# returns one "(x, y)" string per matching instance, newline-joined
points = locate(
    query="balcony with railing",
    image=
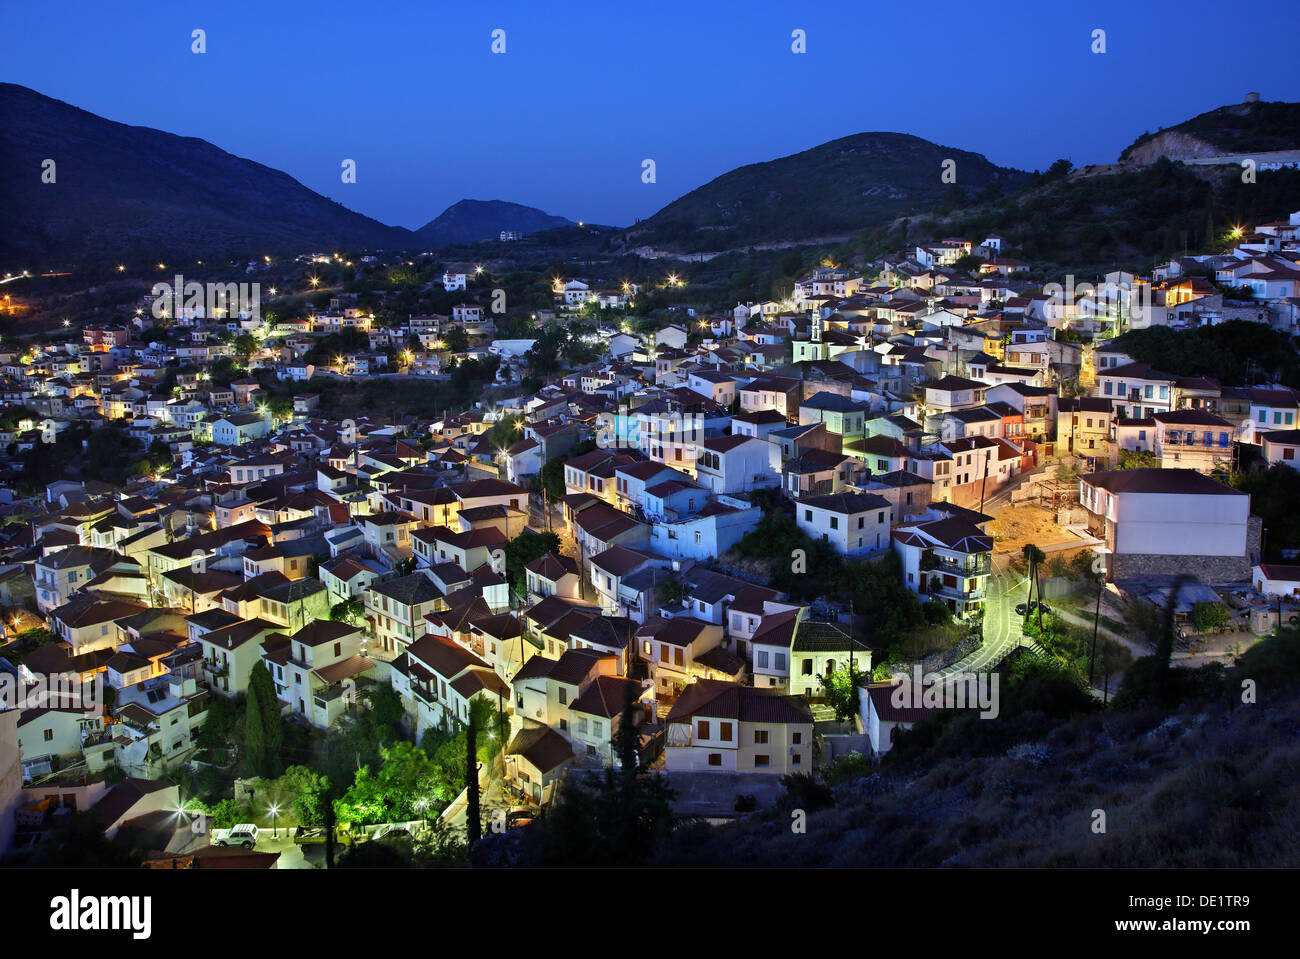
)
(1192, 440)
(971, 564)
(215, 669)
(937, 588)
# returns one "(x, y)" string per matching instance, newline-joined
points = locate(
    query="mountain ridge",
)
(122, 190)
(840, 186)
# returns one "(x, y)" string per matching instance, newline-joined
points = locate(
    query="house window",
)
(761, 655)
(760, 737)
(703, 729)
(48, 735)
(724, 732)
(762, 762)
(715, 759)
(780, 662)
(796, 738)
(564, 696)
(807, 669)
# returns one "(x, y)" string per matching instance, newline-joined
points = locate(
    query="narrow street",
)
(1002, 633)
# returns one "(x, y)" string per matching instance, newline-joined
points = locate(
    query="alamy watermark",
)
(957, 691)
(58, 691)
(210, 301)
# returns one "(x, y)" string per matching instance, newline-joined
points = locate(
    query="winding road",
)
(1002, 633)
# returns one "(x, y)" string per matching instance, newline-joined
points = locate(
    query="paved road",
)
(1002, 632)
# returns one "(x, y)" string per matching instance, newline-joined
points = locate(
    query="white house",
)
(1170, 521)
(853, 523)
(737, 464)
(1275, 579)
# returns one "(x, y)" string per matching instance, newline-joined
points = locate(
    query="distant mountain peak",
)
(469, 221)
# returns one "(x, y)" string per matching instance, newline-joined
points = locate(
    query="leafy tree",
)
(551, 477)
(841, 690)
(350, 611)
(245, 346)
(456, 340)
(1137, 460)
(1274, 493)
(406, 782)
(1209, 616)
(301, 789)
(386, 712)
(522, 550)
(506, 431)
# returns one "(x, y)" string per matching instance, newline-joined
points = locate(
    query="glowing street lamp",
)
(315, 281)
(275, 824)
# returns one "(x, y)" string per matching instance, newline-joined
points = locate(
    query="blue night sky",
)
(585, 91)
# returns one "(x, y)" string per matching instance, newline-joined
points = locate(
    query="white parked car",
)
(244, 835)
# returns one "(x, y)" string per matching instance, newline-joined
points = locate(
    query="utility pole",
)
(984, 481)
(1096, 622)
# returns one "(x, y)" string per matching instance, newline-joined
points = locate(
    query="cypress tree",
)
(264, 722)
(473, 824)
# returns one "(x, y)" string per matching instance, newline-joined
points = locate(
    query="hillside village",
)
(656, 547)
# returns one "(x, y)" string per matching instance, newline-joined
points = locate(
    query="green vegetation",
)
(841, 690)
(1124, 219)
(1209, 785)
(1239, 128)
(834, 188)
(522, 550)
(1236, 353)
(551, 476)
(407, 785)
(263, 724)
(807, 568)
(1072, 645)
(350, 611)
(1137, 460)
(1274, 493)
(1210, 616)
(610, 820)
